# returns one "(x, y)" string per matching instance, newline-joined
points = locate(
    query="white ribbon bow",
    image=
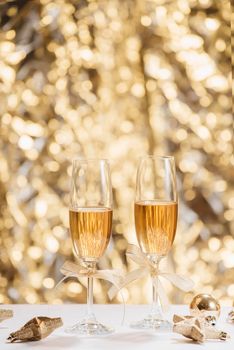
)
(146, 267)
(70, 269)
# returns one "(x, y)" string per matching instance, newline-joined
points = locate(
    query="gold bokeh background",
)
(116, 79)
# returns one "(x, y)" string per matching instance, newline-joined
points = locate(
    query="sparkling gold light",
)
(109, 79)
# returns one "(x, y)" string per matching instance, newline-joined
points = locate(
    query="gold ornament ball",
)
(205, 305)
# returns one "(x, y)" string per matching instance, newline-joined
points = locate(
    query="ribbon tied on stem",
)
(147, 266)
(70, 269)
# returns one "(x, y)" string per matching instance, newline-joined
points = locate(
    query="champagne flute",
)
(90, 217)
(155, 212)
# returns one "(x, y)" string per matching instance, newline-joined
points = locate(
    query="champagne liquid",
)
(90, 231)
(155, 224)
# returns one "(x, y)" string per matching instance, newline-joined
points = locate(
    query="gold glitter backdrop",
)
(115, 79)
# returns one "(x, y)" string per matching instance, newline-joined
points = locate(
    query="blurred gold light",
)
(41, 207)
(146, 21)
(74, 288)
(214, 244)
(25, 142)
(212, 24)
(48, 283)
(35, 252)
(51, 243)
(110, 80)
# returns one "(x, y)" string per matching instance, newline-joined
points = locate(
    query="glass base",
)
(89, 327)
(153, 322)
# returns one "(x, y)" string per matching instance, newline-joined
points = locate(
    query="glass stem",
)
(90, 313)
(156, 308)
(90, 297)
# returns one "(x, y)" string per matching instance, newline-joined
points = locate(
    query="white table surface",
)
(123, 338)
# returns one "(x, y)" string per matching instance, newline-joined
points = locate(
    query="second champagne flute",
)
(90, 217)
(155, 222)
